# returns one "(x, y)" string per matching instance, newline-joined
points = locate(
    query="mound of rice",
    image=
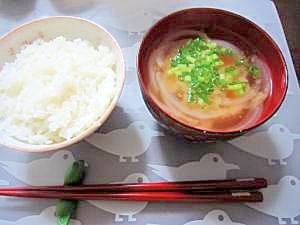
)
(54, 90)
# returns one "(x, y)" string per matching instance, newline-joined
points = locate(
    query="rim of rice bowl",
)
(13, 143)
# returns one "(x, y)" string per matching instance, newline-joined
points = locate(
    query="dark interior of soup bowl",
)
(227, 26)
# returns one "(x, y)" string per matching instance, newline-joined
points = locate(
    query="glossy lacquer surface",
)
(131, 147)
(223, 25)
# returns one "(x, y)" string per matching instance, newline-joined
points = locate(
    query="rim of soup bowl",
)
(93, 127)
(226, 13)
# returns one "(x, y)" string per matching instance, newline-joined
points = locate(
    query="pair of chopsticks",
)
(237, 190)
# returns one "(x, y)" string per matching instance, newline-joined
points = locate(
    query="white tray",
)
(155, 157)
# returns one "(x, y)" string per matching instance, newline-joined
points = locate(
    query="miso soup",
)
(208, 84)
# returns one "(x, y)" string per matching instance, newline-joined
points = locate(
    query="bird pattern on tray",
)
(136, 139)
(277, 142)
(280, 200)
(214, 217)
(35, 172)
(210, 166)
(119, 208)
(47, 217)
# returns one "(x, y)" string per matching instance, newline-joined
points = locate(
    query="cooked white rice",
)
(54, 90)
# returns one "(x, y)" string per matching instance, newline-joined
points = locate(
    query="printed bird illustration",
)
(281, 200)
(120, 208)
(126, 143)
(215, 217)
(45, 171)
(47, 217)
(210, 166)
(277, 143)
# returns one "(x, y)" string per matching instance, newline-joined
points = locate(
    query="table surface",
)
(269, 151)
(289, 12)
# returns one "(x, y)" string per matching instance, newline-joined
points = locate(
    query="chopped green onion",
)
(199, 63)
(226, 51)
(238, 87)
(188, 78)
(239, 92)
(254, 71)
(231, 70)
(240, 62)
(234, 87)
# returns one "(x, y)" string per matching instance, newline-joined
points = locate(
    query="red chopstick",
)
(239, 190)
(174, 196)
(210, 185)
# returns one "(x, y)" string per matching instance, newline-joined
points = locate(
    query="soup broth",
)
(216, 88)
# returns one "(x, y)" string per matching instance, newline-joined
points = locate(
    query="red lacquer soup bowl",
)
(223, 25)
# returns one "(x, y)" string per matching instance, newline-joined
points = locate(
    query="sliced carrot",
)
(230, 94)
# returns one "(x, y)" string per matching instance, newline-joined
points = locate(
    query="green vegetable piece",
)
(198, 65)
(191, 59)
(64, 220)
(74, 176)
(231, 70)
(219, 63)
(240, 62)
(223, 84)
(190, 96)
(254, 71)
(228, 52)
(64, 207)
(188, 78)
(75, 173)
(238, 87)
(211, 45)
(239, 92)
(64, 210)
(235, 87)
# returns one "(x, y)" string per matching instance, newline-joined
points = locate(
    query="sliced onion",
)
(265, 73)
(228, 45)
(240, 100)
